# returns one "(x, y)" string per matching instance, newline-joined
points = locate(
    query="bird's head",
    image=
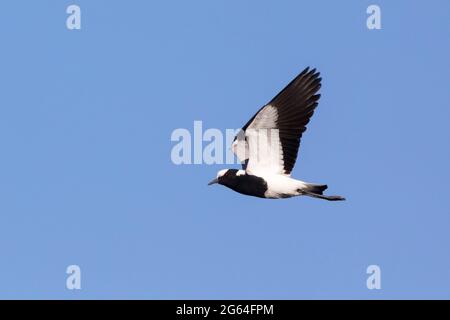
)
(223, 176)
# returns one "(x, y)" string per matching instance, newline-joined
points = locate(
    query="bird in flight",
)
(268, 144)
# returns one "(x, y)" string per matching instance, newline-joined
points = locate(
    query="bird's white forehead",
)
(221, 173)
(224, 171)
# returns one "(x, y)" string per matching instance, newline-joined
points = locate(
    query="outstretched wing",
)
(270, 140)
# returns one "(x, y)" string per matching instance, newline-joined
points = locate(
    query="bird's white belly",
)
(281, 186)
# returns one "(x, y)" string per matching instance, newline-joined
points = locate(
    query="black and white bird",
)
(268, 145)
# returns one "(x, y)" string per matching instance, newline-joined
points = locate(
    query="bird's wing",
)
(240, 148)
(270, 140)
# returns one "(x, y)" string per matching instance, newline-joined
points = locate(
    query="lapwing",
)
(268, 144)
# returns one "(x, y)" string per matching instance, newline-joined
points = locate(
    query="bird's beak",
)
(213, 181)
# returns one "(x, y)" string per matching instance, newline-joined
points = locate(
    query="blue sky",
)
(86, 176)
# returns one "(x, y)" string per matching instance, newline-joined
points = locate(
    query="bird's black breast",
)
(246, 184)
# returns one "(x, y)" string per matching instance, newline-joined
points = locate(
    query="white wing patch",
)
(266, 118)
(265, 152)
(240, 147)
(260, 144)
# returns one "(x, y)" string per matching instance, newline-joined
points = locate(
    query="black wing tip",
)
(310, 72)
(306, 80)
(307, 76)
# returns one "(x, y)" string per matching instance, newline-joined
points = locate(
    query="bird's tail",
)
(316, 191)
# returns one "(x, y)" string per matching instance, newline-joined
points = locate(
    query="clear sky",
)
(86, 176)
